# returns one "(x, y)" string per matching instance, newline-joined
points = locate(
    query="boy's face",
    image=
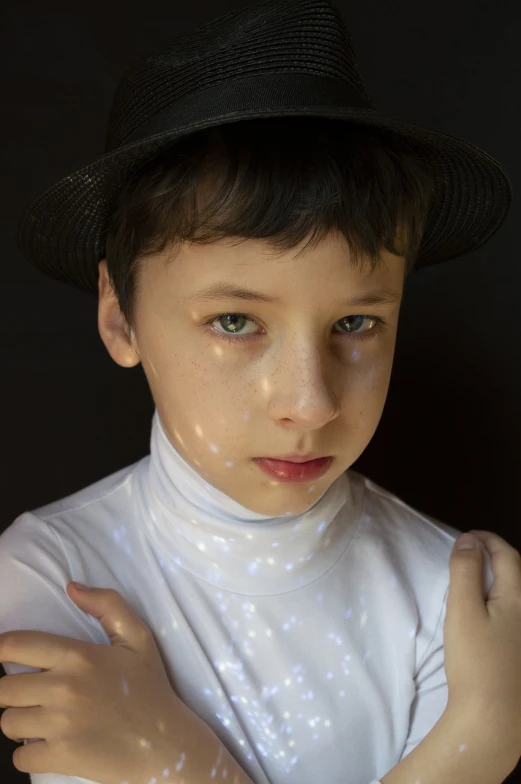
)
(300, 382)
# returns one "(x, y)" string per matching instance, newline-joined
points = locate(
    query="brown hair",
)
(275, 179)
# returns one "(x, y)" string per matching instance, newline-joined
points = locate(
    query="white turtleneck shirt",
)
(311, 644)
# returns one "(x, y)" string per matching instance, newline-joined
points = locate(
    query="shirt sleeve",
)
(34, 573)
(432, 693)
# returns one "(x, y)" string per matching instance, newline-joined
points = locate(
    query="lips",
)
(297, 458)
(288, 471)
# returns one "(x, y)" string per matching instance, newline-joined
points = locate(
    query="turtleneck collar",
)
(216, 539)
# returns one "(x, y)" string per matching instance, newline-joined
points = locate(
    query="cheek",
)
(365, 391)
(374, 379)
(370, 369)
(209, 389)
(204, 396)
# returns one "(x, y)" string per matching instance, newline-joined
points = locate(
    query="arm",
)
(205, 758)
(455, 751)
(34, 571)
(203, 754)
(33, 574)
(436, 760)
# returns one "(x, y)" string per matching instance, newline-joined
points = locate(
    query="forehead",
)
(254, 264)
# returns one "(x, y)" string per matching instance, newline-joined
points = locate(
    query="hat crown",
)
(278, 36)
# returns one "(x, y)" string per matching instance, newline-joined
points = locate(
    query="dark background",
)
(449, 439)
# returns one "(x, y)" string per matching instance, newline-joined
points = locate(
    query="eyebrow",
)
(225, 290)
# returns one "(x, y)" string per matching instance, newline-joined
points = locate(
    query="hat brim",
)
(62, 232)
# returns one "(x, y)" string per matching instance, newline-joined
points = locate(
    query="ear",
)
(113, 328)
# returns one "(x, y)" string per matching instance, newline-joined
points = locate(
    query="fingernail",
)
(466, 542)
(81, 587)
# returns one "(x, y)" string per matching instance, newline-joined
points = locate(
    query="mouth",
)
(292, 471)
(297, 458)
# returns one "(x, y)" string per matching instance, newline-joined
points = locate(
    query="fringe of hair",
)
(274, 179)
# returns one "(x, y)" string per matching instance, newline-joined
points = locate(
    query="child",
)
(249, 233)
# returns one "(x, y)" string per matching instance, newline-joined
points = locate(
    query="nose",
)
(304, 390)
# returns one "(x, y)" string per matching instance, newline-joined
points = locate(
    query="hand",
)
(104, 712)
(482, 641)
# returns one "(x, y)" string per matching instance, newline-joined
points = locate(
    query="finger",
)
(35, 649)
(465, 604)
(24, 690)
(32, 757)
(20, 723)
(122, 624)
(486, 536)
(495, 543)
(505, 561)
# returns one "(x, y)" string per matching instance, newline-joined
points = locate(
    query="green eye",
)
(232, 338)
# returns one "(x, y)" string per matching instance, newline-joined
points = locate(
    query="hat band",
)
(269, 93)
